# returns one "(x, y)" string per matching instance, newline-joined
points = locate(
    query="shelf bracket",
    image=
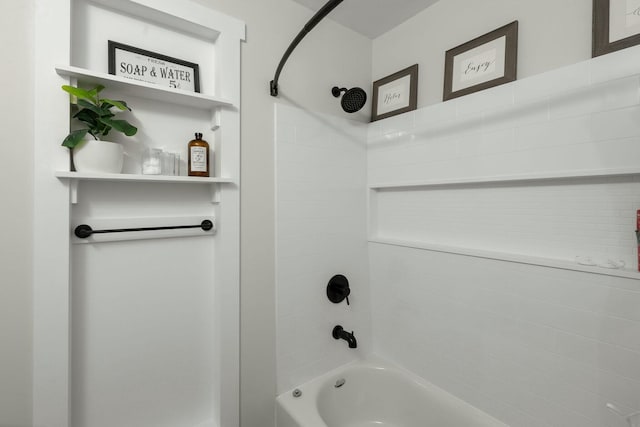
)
(215, 118)
(215, 193)
(73, 191)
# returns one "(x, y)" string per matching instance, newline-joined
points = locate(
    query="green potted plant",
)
(91, 152)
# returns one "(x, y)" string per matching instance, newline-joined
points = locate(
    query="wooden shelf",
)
(510, 257)
(145, 90)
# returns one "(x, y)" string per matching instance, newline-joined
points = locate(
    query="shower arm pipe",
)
(324, 11)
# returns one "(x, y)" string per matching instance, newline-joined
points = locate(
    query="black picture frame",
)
(405, 96)
(152, 67)
(603, 21)
(505, 62)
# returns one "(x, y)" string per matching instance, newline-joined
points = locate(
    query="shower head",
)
(352, 100)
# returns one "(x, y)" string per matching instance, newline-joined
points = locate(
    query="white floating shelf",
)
(140, 178)
(510, 257)
(76, 177)
(145, 90)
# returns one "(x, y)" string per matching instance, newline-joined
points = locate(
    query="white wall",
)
(323, 59)
(529, 345)
(16, 145)
(575, 121)
(306, 80)
(562, 39)
(487, 288)
(551, 34)
(321, 206)
(480, 206)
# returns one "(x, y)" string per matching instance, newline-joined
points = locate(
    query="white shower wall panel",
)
(569, 219)
(321, 231)
(577, 119)
(545, 166)
(479, 207)
(530, 345)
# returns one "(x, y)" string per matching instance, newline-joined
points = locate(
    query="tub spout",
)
(340, 333)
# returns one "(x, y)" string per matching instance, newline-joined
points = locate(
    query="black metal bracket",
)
(83, 231)
(324, 11)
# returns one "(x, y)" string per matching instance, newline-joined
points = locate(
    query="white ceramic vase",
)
(93, 156)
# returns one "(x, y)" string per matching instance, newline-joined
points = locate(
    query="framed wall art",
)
(486, 61)
(395, 94)
(616, 25)
(142, 65)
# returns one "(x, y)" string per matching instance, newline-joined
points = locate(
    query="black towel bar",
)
(83, 231)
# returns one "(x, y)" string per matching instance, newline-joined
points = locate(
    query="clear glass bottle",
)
(198, 163)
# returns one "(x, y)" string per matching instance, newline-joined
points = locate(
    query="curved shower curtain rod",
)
(324, 11)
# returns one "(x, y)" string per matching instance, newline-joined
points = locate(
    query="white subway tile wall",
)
(518, 128)
(531, 345)
(564, 219)
(321, 231)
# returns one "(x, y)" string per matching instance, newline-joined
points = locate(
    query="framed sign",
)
(487, 61)
(616, 25)
(150, 67)
(395, 94)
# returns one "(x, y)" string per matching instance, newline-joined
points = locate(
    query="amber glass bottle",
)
(198, 156)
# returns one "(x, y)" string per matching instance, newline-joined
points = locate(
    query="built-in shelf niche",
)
(70, 49)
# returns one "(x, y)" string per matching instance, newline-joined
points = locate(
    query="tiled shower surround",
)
(321, 231)
(479, 210)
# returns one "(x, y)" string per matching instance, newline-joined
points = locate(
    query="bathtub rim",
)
(306, 404)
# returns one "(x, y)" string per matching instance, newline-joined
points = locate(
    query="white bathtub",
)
(376, 394)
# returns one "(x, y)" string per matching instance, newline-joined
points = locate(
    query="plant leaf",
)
(80, 93)
(102, 128)
(96, 90)
(74, 138)
(90, 106)
(96, 114)
(120, 125)
(95, 135)
(105, 131)
(121, 105)
(87, 116)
